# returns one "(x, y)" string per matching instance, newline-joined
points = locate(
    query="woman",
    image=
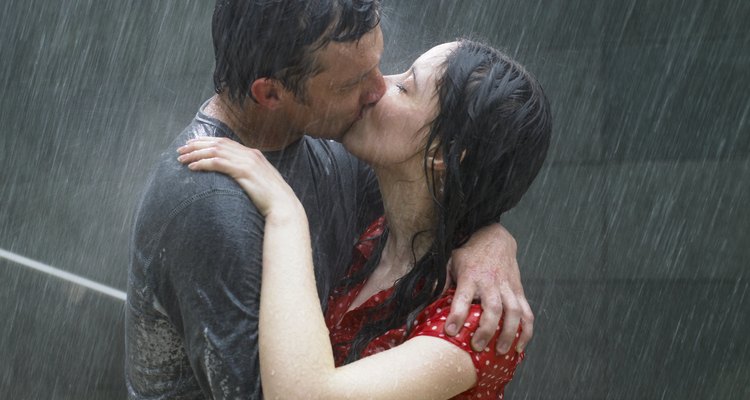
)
(455, 142)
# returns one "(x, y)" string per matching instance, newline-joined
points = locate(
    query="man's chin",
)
(327, 135)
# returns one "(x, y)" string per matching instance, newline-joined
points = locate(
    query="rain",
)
(634, 242)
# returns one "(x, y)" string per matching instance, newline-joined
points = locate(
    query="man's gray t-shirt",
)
(194, 278)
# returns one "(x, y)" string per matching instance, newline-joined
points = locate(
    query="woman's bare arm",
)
(296, 356)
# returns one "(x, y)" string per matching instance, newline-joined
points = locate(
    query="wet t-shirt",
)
(493, 371)
(195, 269)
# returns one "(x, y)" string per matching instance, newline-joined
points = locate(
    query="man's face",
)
(350, 82)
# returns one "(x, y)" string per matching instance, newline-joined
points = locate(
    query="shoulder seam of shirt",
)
(182, 206)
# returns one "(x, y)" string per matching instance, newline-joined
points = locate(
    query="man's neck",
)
(255, 127)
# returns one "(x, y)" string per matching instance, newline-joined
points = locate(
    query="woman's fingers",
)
(223, 144)
(198, 149)
(198, 154)
(197, 144)
(249, 167)
(235, 153)
(212, 165)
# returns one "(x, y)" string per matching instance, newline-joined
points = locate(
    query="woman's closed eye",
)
(401, 88)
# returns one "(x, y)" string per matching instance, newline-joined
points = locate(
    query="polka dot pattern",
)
(493, 371)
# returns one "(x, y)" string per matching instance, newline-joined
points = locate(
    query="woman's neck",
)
(409, 210)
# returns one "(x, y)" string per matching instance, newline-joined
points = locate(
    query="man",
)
(286, 70)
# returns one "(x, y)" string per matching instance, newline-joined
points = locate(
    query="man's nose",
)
(376, 89)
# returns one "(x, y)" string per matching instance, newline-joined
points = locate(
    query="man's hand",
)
(486, 268)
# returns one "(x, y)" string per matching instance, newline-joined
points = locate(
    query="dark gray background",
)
(634, 242)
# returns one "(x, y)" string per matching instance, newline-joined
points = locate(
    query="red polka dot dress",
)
(493, 371)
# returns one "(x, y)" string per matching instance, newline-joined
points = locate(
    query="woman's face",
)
(393, 131)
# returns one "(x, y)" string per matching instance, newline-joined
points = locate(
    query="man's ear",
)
(267, 92)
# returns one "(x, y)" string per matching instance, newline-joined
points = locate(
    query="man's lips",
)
(362, 112)
(357, 118)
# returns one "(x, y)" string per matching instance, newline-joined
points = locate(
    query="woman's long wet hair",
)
(493, 131)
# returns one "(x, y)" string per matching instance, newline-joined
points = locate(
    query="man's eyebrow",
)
(359, 78)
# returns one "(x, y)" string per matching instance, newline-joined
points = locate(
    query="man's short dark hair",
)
(277, 38)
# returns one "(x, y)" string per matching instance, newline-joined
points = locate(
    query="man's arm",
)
(210, 289)
(486, 268)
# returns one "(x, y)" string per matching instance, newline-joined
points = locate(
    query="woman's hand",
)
(264, 185)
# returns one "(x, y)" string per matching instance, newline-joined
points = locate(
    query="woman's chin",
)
(350, 140)
(355, 144)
